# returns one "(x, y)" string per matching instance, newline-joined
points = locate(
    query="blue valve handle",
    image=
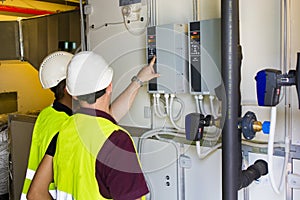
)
(266, 127)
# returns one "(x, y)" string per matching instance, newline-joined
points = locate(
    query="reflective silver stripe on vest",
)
(30, 174)
(53, 193)
(60, 195)
(23, 197)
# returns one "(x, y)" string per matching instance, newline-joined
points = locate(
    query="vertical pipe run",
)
(82, 28)
(231, 63)
(21, 39)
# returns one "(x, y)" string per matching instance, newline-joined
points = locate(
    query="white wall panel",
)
(295, 47)
(124, 51)
(260, 40)
(296, 171)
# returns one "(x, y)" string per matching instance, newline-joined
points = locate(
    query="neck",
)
(67, 101)
(101, 103)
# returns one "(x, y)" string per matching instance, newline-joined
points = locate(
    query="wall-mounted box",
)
(169, 44)
(204, 56)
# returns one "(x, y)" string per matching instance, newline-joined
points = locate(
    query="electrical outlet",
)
(185, 161)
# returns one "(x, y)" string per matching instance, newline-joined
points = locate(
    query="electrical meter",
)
(169, 44)
(204, 56)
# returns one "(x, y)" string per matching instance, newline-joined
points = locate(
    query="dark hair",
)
(59, 90)
(92, 97)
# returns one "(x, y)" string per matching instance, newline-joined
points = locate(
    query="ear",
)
(65, 91)
(109, 88)
(75, 98)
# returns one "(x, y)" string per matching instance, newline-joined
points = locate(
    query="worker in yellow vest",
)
(117, 110)
(52, 74)
(95, 158)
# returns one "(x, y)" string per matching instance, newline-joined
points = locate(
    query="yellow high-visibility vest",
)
(78, 144)
(47, 125)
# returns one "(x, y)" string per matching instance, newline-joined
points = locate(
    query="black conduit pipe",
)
(233, 177)
(231, 75)
(253, 172)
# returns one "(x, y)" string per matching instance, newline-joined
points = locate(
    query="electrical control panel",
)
(169, 44)
(204, 39)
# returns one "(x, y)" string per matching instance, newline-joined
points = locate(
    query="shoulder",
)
(46, 110)
(122, 140)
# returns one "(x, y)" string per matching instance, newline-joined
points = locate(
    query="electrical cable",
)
(105, 25)
(159, 112)
(155, 107)
(212, 138)
(197, 103)
(171, 114)
(153, 132)
(212, 107)
(208, 152)
(180, 112)
(201, 99)
(167, 103)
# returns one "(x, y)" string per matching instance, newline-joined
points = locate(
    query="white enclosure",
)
(118, 33)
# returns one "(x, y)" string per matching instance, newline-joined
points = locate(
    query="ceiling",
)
(13, 9)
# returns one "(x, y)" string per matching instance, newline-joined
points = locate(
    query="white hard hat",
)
(87, 73)
(54, 68)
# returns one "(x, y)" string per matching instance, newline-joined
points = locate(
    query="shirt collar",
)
(62, 108)
(97, 113)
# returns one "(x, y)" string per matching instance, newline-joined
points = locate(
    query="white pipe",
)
(195, 7)
(171, 114)
(21, 38)
(212, 107)
(201, 101)
(153, 13)
(261, 145)
(270, 150)
(197, 103)
(154, 132)
(288, 112)
(180, 112)
(161, 113)
(286, 161)
(205, 154)
(156, 105)
(180, 180)
(82, 29)
(212, 138)
(167, 103)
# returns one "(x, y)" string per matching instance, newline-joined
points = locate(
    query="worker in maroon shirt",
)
(95, 158)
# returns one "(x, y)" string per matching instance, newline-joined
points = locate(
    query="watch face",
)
(135, 78)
